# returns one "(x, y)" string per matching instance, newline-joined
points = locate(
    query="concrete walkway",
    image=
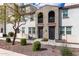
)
(4, 52)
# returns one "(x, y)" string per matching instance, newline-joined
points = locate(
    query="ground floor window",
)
(18, 31)
(23, 29)
(1, 30)
(68, 30)
(31, 30)
(65, 30)
(62, 30)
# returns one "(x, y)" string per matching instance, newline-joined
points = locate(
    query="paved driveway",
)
(4, 52)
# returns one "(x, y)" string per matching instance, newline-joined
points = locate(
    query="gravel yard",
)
(46, 50)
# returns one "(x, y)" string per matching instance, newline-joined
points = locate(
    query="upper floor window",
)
(32, 18)
(22, 10)
(40, 17)
(65, 13)
(51, 16)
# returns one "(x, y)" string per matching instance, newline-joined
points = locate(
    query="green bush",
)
(36, 46)
(66, 51)
(23, 41)
(11, 34)
(8, 40)
(4, 35)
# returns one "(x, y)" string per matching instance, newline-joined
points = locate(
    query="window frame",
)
(23, 29)
(51, 18)
(65, 13)
(68, 30)
(62, 32)
(31, 31)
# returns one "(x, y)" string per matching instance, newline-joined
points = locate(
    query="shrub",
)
(36, 46)
(23, 41)
(4, 35)
(45, 39)
(11, 34)
(66, 51)
(8, 40)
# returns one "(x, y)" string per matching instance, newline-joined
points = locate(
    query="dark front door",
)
(51, 32)
(40, 32)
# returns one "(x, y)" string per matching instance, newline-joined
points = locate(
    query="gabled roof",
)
(72, 6)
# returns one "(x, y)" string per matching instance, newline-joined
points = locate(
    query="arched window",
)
(40, 17)
(51, 16)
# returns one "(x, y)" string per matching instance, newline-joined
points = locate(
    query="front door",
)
(52, 32)
(40, 32)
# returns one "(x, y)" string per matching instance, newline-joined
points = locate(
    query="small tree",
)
(14, 19)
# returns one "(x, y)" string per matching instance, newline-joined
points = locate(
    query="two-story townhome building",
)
(69, 22)
(50, 22)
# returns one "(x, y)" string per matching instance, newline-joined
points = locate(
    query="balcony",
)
(52, 24)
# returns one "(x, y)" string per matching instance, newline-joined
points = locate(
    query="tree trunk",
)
(14, 37)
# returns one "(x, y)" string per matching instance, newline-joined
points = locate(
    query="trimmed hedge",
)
(23, 41)
(8, 40)
(36, 46)
(66, 51)
(11, 34)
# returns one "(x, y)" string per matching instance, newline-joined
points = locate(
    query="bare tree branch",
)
(22, 24)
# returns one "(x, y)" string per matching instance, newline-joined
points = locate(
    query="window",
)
(1, 30)
(62, 30)
(65, 13)
(18, 31)
(65, 30)
(23, 29)
(31, 30)
(31, 19)
(68, 30)
(51, 16)
(23, 9)
(40, 17)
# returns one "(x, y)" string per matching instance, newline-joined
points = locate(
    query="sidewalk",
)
(4, 52)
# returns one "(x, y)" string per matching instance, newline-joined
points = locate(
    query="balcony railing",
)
(51, 19)
(40, 20)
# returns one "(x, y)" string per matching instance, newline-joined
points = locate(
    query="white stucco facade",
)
(28, 23)
(72, 20)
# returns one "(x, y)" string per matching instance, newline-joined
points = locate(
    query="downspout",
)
(4, 22)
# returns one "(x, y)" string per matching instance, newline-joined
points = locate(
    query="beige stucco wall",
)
(45, 10)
